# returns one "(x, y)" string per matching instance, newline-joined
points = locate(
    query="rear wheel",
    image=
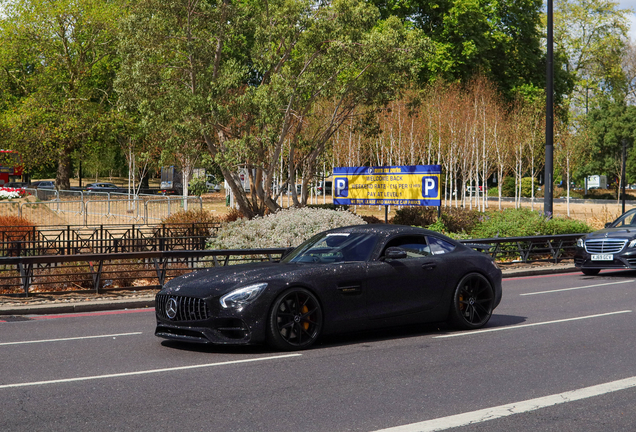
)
(473, 302)
(590, 272)
(295, 320)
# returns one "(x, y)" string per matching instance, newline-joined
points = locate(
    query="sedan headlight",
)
(632, 244)
(242, 296)
(580, 243)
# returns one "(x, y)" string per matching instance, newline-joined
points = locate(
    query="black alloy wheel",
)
(591, 272)
(472, 302)
(295, 320)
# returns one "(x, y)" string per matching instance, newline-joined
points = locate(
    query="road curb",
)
(78, 307)
(538, 271)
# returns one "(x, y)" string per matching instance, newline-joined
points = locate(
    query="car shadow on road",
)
(217, 349)
(352, 338)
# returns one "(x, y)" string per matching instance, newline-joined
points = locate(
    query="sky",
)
(627, 4)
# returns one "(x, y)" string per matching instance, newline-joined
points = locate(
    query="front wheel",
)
(473, 302)
(295, 320)
(591, 272)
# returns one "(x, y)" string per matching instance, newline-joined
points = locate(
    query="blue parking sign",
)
(430, 186)
(341, 187)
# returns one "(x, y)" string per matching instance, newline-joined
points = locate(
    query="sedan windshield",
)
(628, 219)
(333, 247)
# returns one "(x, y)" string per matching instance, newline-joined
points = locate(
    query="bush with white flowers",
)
(11, 193)
(285, 228)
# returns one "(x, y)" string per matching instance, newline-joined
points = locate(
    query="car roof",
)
(387, 230)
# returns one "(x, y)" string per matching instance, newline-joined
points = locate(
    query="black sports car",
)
(613, 247)
(346, 279)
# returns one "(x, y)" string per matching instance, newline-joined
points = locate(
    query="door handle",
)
(429, 265)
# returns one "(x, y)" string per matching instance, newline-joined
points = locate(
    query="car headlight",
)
(580, 243)
(242, 296)
(632, 244)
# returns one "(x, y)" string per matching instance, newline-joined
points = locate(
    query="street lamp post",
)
(549, 118)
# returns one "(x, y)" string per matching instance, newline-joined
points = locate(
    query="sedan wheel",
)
(590, 272)
(472, 302)
(295, 320)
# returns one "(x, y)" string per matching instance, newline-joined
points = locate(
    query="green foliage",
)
(438, 226)
(454, 220)
(237, 76)
(610, 124)
(197, 186)
(56, 92)
(508, 188)
(524, 222)
(500, 40)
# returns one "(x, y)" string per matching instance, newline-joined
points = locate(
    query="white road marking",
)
(492, 413)
(69, 339)
(490, 330)
(576, 288)
(144, 372)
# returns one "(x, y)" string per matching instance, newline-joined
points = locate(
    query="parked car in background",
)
(103, 187)
(324, 188)
(613, 247)
(16, 185)
(43, 184)
(212, 187)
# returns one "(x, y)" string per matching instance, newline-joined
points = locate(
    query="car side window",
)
(415, 246)
(439, 246)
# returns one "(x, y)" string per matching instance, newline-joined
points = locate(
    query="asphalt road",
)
(558, 355)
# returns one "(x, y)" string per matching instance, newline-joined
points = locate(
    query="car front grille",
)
(605, 246)
(180, 308)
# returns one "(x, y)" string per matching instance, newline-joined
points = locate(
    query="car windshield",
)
(333, 247)
(628, 219)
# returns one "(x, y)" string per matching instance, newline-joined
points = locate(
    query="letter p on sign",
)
(430, 187)
(342, 187)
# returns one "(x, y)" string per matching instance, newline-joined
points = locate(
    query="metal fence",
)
(121, 269)
(24, 276)
(526, 249)
(94, 208)
(71, 240)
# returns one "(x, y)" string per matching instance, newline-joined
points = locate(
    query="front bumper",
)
(201, 321)
(622, 260)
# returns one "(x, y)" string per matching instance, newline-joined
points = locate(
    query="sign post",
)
(414, 185)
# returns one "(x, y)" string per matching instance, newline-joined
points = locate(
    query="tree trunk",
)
(63, 177)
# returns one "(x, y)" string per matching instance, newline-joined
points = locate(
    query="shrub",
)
(191, 216)
(14, 232)
(453, 219)
(460, 220)
(284, 228)
(232, 215)
(372, 219)
(524, 222)
(328, 206)
(11, 193)
(191, 223)
(415, 216)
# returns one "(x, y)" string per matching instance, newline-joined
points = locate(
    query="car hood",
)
(220, 280)
(619, 232)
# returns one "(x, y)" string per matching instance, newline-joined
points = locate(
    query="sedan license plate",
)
(603, 257)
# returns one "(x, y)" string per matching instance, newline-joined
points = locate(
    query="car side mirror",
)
(608, 224)
(394, 253)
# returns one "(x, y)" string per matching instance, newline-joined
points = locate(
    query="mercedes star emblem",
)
(171, 308)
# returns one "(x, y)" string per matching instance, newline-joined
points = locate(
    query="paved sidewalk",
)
(48, 305)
